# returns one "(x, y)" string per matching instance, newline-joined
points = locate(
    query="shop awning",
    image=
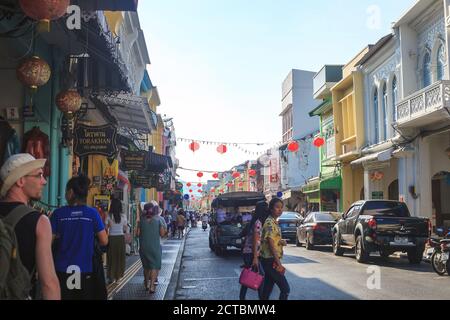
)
(311, 186)
(129, 111)
(107, 5)
(375, 157)
(331, 183)
(156, 163)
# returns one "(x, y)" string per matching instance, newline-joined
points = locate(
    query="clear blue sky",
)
(219, 64)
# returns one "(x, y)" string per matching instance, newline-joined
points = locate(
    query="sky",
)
(219, 64)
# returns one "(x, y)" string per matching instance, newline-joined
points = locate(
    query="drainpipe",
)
(54, 186)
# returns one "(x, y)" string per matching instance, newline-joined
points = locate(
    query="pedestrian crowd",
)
(61, 256)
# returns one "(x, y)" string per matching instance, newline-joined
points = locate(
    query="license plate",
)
(292, 224)
(401, 240)
(444, 256)
(238, 241)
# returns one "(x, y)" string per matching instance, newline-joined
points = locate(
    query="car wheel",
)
(415, 256)
(337, 250)
(361, 254)
(309, 245)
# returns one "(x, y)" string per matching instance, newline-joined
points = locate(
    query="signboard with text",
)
(133, 160)
(95, 140)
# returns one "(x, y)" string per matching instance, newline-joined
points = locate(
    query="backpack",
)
(15, 280)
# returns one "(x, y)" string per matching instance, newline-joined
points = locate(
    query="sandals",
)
(152, 289)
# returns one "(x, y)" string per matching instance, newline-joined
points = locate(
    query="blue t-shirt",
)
(75, 228)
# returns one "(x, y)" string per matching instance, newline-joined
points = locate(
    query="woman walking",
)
(150, 230)
(116, 224)
(272, 253)
(252, 244)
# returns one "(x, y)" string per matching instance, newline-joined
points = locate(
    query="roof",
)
(321, 108)
(375, 48)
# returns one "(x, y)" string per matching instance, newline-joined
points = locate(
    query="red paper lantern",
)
(215, 175)
(194, 146)
(200, 190)
(221, 190)
(318, 142)
(236, 175)
(199, 185)
(293, 146)
(222, 149)
(69, 102)
(200, 174)
(189, 184)
(213, 190)
(229, 185)
(33, 72)
(190, 191)
(44, 10)
(252, 173)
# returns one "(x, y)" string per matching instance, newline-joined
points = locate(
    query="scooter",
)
(204, 225)
(440, 258)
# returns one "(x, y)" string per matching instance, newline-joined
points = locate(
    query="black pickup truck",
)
(383, 226)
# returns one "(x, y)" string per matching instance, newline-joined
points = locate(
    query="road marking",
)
(129, 274)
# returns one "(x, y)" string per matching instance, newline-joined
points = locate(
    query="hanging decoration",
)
(215, 175)
(190, 191)
(222, 149)
(69, 102)
(213, 190)
(200, 190)
(252, 173)
(200, 174)
(199, 185)
(319, 142)
(189, 184)
(236, 175)
(293, 146)
(44, 11)
(194, 146)
(33, 72)
(229, 184)
(376, 176)
(241, 184)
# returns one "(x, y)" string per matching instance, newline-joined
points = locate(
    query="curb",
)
(175, 278)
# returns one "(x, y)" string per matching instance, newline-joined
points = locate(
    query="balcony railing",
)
(423, 103)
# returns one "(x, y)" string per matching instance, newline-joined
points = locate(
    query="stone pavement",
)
(131, 287)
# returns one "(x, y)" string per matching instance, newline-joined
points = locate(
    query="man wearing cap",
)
(22, 180)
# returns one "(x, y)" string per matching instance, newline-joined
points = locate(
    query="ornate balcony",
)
(425, 107)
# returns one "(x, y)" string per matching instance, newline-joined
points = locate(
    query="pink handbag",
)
(250, 279)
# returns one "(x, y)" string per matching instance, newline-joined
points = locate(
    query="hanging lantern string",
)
(225, 143)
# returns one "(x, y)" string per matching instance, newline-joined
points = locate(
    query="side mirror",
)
(343, 216)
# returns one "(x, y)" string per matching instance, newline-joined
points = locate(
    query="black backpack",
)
(15, 280)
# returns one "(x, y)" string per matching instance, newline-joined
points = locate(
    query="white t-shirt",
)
(116, 229)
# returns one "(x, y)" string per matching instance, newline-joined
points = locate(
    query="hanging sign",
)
(133, 160)
(100, 140)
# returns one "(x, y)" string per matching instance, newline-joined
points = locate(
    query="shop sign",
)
(133, 160)
(143, 180)
(100, 140)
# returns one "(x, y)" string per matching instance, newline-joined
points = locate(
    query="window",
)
(384, 113)
(440, 62)
(394, 99)
(375, 112)
(426, 70)
(385, 208)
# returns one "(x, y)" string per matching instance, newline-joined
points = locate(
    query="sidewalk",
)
(132, 285)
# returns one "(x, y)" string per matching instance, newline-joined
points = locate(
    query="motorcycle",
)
(204, 225)
(440, 257)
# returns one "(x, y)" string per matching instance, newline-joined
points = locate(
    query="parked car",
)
(288, 222)
(381, 225)
(226, 219)
(316, 229)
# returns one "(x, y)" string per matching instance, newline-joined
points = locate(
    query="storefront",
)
(312, 193)
(330, 194)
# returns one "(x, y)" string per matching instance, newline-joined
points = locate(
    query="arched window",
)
(384, 112)
(394, 99)
(375, 112)
(440, 62)
(426, 70)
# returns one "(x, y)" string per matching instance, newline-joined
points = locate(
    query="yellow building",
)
(348, 112)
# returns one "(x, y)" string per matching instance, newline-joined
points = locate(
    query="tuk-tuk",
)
(230, 213)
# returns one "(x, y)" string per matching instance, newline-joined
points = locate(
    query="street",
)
(312, 275)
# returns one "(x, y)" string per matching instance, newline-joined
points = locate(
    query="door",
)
(351, 224)
(343, 226)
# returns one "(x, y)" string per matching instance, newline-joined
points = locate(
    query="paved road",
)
(313, 275)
